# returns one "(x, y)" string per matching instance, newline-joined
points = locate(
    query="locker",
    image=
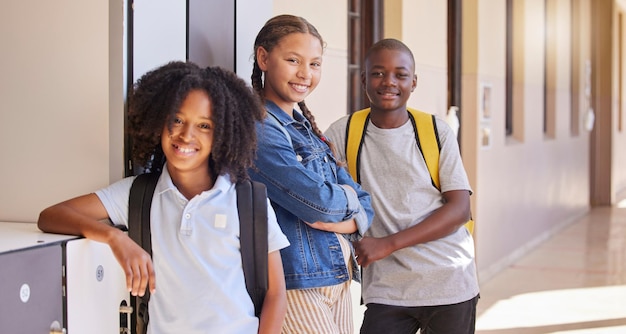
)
(97, 298)
(31, 279)
(51, 283)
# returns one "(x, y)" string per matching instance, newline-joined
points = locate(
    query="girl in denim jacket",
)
(318, 206)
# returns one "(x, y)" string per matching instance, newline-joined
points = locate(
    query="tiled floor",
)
(573, 283)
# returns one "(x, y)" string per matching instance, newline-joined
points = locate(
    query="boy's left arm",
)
(275, 303)
(452, 215)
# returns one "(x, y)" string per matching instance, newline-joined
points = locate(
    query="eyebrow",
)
(293, 53)
(178, 114)
(377, 67)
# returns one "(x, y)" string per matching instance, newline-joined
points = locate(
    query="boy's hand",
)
(369, 249)
(136, 263)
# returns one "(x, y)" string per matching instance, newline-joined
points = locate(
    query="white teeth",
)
(300, 87)
(186, 150)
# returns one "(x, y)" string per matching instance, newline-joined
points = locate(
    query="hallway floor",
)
(573, 283)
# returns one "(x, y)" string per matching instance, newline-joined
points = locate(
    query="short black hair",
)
(389, 44)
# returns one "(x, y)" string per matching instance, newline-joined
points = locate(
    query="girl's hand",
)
(136, 263)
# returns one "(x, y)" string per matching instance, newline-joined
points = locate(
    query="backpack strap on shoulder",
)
(427, 139)
(252, 208)
(139, 204)
(355, 130)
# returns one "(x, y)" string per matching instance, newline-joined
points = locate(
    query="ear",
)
(363, 81)
(414, 83)
(261, 58)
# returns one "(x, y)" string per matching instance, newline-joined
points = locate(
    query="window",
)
(550, 71)
(509, 68)
(515, 62)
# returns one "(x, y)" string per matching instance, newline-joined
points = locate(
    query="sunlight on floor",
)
(604, 307)
(622, 204)
(607, 330)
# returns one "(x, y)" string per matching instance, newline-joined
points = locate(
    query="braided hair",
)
(268, 37)
(158, 95)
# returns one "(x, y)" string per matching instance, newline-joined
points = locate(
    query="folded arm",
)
(304, 192)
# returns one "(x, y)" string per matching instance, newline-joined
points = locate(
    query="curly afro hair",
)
(157, 97)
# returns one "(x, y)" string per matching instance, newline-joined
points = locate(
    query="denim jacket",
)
(305, 184)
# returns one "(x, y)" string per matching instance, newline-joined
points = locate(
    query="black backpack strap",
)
(260, 239)
(139, 203)
(252, 208)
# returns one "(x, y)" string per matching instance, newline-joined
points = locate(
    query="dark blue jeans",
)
(441, 319)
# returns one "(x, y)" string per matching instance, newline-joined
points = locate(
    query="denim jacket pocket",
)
(317, 159)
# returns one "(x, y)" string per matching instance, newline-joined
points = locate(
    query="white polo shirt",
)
(200, 286)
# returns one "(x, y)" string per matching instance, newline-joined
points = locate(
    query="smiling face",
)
(388, 79)
(188, 138)
(292, 69)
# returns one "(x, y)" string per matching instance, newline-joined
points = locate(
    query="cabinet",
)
(51, 282)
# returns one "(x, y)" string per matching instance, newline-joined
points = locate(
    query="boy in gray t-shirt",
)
(418, 258)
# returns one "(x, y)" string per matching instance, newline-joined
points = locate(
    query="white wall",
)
(525, 190)
(159, 34)
(619, 130)
(424, 31)
(251, 16)
(54, 103)
(63, 86)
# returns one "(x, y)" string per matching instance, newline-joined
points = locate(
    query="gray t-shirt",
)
(393, 171)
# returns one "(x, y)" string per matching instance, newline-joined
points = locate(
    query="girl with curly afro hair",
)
(196, 127)
(157, 97)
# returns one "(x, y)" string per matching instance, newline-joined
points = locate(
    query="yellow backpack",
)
(427, 139)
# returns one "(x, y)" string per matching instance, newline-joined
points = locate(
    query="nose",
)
(304, 72)
(389, 80)
(186, 133)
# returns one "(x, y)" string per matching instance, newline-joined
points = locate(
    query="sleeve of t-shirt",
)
(276, 240)
(336, 133)
(452, 175)
(115, 200)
